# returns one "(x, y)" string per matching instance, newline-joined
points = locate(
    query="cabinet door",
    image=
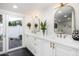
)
(39, 47)
(30, 44)
(45, 48)
(77, 52)
(61, 50)
(36, 47)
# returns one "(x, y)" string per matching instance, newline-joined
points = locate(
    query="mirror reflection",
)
(63, 20)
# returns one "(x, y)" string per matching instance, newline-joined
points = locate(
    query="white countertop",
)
(68, 41)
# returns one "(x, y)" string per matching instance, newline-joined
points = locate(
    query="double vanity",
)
(51, 46)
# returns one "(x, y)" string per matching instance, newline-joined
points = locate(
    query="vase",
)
(44, 32)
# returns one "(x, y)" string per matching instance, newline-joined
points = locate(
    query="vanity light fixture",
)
(15, 6)
(59, 5)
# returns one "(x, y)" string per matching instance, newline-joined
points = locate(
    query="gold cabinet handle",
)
(51, 44)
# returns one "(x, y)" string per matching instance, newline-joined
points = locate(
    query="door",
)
(2, 33)
(14, 32)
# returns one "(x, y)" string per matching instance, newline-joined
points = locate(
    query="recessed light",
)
(14, 6)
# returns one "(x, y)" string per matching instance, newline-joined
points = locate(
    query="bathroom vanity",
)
(61, 42)
(51, 45)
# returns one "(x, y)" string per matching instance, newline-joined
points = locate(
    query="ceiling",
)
(25, 8)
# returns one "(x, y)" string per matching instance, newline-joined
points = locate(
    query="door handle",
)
(51, 44)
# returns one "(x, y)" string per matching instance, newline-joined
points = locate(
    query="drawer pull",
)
(51, 44)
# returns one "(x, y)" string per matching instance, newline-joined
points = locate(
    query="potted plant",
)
(43, 27)
(29, 25)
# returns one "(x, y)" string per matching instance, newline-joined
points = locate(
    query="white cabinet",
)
(32, 44)
(46, 48)
(37, 43)
(41, 47)
(29, 43)
(61, 50)
(77, 52)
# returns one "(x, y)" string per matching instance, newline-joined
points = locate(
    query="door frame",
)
(4, 33)
(7, 40)
(5, 23)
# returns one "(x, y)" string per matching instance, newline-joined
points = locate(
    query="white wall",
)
(76, 8)
(49, 16)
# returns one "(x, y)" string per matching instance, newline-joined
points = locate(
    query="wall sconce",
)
(36, 25)
(29, 25)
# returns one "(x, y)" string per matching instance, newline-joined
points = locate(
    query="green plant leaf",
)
(43, 25)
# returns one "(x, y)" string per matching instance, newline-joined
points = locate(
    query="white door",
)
(2, 33)
(61, 50)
